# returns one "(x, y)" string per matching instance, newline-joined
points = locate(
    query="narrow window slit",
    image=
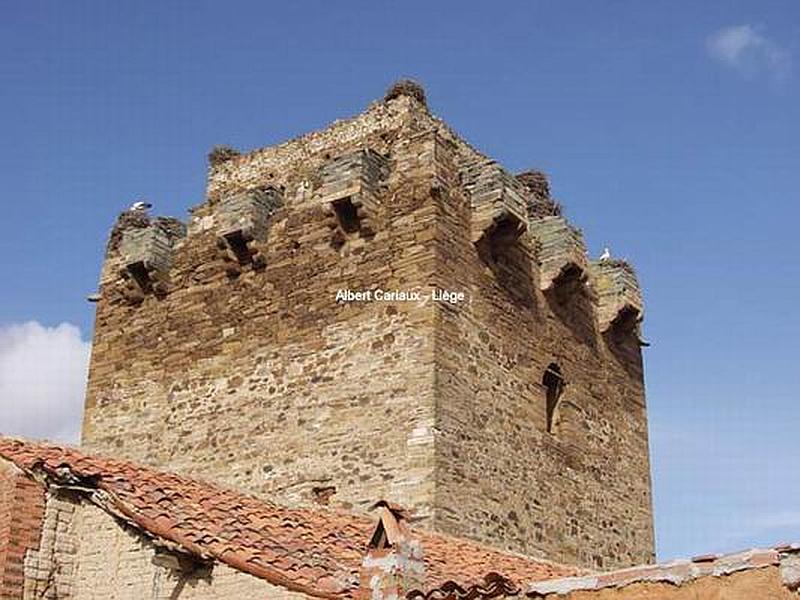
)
(553, 382)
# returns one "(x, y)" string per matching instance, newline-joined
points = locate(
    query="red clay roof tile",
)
(296, 548)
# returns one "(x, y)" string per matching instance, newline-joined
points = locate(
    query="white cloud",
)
(746, 50)
(42, 381)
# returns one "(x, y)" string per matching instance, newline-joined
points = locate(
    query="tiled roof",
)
(679, 572)
(314, 551)
(494, 586)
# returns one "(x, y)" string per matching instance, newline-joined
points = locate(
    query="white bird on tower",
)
(606, 255)
(140, 206)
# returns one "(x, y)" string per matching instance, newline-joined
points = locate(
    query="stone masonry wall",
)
(754, 584)
(6, 490)
(757, 574)
(86, 554)
(21, 515)
(263, 380)
(49, 568)
(115, 563)
(258, 378)
(580, 494)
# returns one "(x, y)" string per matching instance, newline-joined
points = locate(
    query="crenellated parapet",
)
(287, 164)
(145, 248)
(619, 296)
(561, 249)
(498, 200)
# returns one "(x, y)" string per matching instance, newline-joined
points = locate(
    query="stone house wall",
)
(262, 380)
(65, 548)
(116, 563)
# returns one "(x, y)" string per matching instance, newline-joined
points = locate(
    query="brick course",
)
(21, 515)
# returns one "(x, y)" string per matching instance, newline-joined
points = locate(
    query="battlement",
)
(351, 192)
(223, 347)
(290, 164)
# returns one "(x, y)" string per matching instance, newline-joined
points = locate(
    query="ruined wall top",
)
(296, 172)
(377, 128)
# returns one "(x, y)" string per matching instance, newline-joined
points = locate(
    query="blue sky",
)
(670, 130)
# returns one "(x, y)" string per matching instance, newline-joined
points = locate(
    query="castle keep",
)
(515, 417)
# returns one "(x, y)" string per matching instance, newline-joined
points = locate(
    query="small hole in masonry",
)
(347, 214)
(238, 246)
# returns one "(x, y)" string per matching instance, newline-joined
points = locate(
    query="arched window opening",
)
(553, 382)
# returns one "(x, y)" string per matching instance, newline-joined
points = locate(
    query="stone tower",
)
(378, 310)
